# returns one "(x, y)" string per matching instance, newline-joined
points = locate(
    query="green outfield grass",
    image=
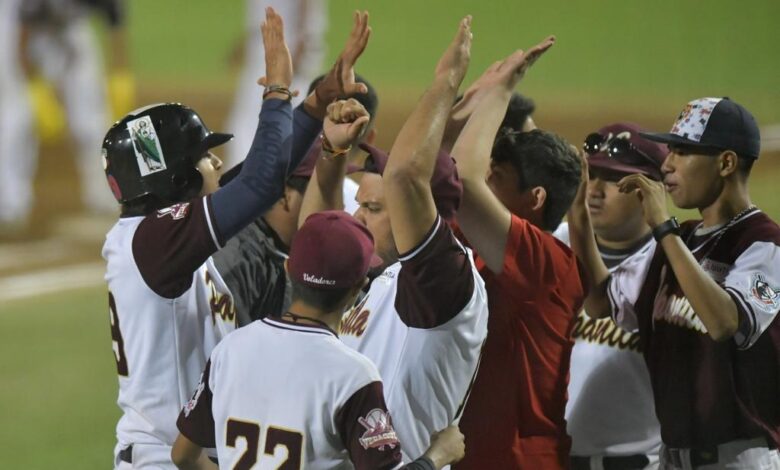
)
(58, 393)
(609, 52)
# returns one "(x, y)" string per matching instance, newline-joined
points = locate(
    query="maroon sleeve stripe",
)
(196, 421)
(427, 240)
(436, 280)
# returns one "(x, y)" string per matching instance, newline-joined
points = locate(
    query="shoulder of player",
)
(757, 227)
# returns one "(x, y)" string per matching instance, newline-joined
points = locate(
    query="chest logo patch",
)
(763, 295)
(379, 430)
(355, 321)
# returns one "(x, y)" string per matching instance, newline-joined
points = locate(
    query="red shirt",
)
(514, 418)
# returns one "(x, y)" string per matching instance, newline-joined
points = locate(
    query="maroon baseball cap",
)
(331, 250)
(446, 186)
(641, 156)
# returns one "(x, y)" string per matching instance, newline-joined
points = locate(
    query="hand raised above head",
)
(278, 64)
(344, 123)
(454, 63)
(339, 82)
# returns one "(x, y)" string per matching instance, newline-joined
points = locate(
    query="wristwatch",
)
(664, 229)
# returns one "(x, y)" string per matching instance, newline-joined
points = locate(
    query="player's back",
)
(423, 323)
(160, 344)
(287, 387)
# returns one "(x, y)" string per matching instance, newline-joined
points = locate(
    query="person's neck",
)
(731, 202)
(623, 243)
(304, 312)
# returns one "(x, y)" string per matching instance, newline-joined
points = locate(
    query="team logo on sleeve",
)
(176, 211)
(379, 430)
(763, 295)
(194, 400)
(146, 145)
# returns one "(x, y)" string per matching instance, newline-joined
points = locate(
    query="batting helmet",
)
(153, 151)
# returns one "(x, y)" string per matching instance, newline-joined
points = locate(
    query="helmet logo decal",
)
(146, 145)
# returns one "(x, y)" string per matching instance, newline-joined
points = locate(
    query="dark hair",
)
(543, 159)
(369, 100)
(519, 109)
(322, 299)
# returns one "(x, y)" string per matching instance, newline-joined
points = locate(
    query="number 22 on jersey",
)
(274, 437)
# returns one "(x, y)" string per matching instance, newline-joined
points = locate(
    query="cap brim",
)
(669, 138)
(215, 139)
(619, 167)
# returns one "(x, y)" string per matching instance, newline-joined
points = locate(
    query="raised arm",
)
(482, 217)
(583, 243)
(341, 130)
(339, 82)
(260, 183)
(407, 177)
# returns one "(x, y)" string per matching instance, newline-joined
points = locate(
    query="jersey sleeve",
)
(366, 430)
(436, 280)
(171, 243)
(625, 285)
(196, 421)
(754, 285)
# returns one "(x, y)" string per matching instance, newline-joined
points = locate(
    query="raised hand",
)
(454, 63)
(651, 194)
(278, 63)
(340, 80)
(344, 123)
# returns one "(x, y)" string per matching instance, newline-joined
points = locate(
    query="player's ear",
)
(728, 163)
(538, 198)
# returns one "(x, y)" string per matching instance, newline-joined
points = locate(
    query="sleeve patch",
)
(379, 430)
(763, 295)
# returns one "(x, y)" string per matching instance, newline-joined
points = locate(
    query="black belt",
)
(126, 454)
(609, 462)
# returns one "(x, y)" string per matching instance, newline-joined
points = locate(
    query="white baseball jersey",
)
(423, 323)
(168, 309)
(284, 394)
(610, 409)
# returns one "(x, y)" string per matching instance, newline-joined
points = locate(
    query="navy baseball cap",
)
(714, 123)
(643, 156)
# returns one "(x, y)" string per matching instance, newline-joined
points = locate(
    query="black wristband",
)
(664, 229)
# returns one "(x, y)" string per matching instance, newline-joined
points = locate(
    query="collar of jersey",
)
(293, 326)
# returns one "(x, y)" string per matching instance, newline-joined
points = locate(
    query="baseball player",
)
(305, 27)
(610, 414)
(317, 404)
(704, 295)
(516, 420)
(174, 216)
(52, 41)
(423, 319)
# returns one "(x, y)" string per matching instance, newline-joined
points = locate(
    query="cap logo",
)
(146, 145)
(693, 119)
(318, 280)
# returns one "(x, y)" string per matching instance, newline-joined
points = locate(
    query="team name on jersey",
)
(354, 322)
(675, 309)
(605, 331)
(221, 304)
